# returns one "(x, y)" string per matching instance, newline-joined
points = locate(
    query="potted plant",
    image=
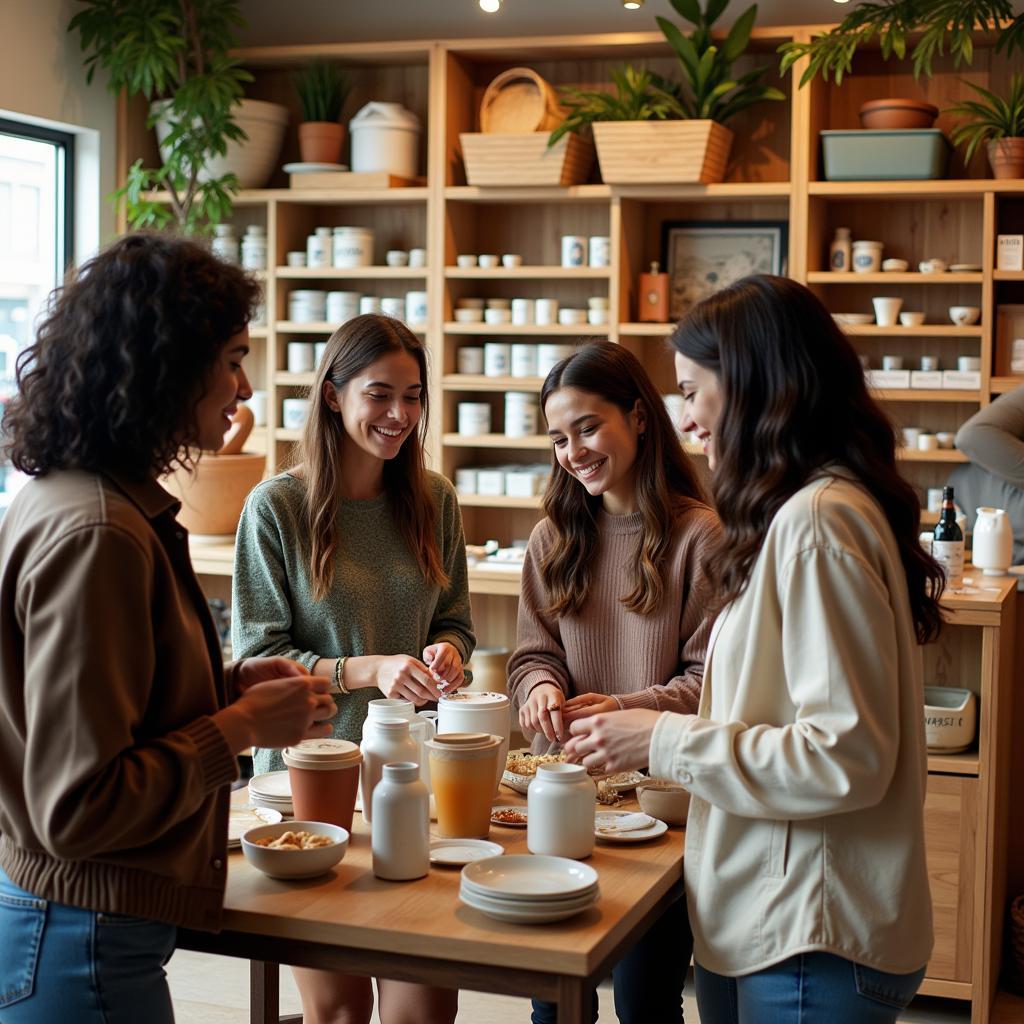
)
(656, 130)
(176, 53)
(323, 89)
(998, 123)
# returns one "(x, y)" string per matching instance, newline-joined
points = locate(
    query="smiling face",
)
(380, 407)
(225, 386)
(703, 394)
(596, 442)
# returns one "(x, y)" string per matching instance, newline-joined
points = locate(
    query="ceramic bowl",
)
(932, 266)
(664, 800)
(396, 258)
(911, 319)
(488, 260)
(466, 260)
(963, 316)
(853, 319)
(295, 863)
(950, 718)
(897, 113)
(511, 259)
(469, 316)
(894, 265)
(469, 303)
(497, 316)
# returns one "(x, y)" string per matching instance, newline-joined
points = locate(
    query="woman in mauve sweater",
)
(612, 612)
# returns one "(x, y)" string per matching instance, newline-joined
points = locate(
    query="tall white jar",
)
(386, 742)
(477, 711)
(560, 806)
(400, 834)
(421, 726)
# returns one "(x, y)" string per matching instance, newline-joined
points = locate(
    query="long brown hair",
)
(794, 401)
(353, 347)
(665, 483)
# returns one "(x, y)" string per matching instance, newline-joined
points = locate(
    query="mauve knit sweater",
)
(644, 661)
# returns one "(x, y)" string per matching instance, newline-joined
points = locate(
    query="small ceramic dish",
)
(278, 863)
(511, 259)
(896, 266)
(966, 268)
(950, 718)
(396, 258)
(666, 801)
(469, 316)
(497, 316)
(964, 316)
(488, 260)
(851, 319)
(460, 852)
(465, 260)
(911, 319)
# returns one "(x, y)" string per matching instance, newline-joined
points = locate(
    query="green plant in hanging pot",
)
(176, 53)
(323, 89)
(997, 122)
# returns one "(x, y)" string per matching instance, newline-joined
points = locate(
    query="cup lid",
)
(471, 699)
(322, 755)
(455, 741)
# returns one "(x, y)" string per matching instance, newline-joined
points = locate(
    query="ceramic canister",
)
(400, 833)
(421, 725)
(294, 412)
(497, 357)
(342, 306)
(477, 711)
(474, 418)
(369, 304)
(353, 247)
(470, 359)
(992, 549)
(574, 251)
(393, 306)
(524, 360)
(522, 414)
(307, 305)
(415, 307)
(549, 355)
(560, 812)
(387, 741)
(600, 250)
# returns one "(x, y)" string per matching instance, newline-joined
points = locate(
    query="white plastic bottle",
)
(840, 251)
(254, 248)
(400, 834)
(387, 742)
(560, 806)
(224, 244)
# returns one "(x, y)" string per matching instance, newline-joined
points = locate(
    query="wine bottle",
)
(948, 542)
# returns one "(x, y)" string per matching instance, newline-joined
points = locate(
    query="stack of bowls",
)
(529, 889)
(273, 790)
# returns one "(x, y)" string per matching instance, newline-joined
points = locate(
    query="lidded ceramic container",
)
(560, 811)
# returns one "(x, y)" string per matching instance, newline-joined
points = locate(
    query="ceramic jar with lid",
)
(477, 711)
(388, 740)
(421, 726)
(254, 248)
(560, 811)
(225, 244)
(400, 833)
(867, 256)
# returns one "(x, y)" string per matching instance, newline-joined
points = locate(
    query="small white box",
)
(523, 483)
(491, 481)
(961, 380)
(1010, 252)
(928, 379)
(888, 379)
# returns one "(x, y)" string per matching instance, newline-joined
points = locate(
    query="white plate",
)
(516, 915)
(462, 851)
(853, 318)
(639, 835)
(628, 781)
(508, 824)
(275, 785)
(529, 876)
(531, 906)
(241, 819)
(300, 168)
(965, 268)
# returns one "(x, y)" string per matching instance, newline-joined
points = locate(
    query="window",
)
(36, 166)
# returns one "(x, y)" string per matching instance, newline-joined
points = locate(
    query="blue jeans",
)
(811, 988)
(62, 963)
(648, 981)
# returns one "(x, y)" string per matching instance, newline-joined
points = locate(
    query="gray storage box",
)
(868, 155)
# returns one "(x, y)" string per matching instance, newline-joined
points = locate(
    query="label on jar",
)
(950, 555)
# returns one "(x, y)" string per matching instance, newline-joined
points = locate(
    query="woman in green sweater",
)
(353, 563)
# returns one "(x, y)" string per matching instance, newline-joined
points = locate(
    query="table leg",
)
(264, 992)
(573, 1004)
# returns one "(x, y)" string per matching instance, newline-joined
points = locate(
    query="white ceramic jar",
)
(466, 480)
(523, 312)
(416, 307)
(393, 306)
(600, 250)
(369, 304)
(400, 831)
(294, 412)
(470, 359)
(474, 418)
(352, 247)
(254, 248)
(992, 550)
(867, 257)
(307, 306)
(300, 356)
(549, 356)
(523, 362)
(318, 248)
(421, 726)
(477, 711)
(522, 414)
(497, 358)
(545, 311)
(574, 251)
(386, 741)
(560, 805)
(224, 244)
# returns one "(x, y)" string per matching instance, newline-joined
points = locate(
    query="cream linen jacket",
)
(806, 759)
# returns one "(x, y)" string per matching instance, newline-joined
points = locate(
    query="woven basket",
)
(519, 100)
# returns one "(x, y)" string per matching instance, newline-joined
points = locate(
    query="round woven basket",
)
(519, 100)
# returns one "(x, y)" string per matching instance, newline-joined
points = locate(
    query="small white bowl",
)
(511, 259)
(295, 259)
(894, 266)
(497, 303)
(572, 316)
(396, 258)
(469, 303)
(853, 319)
(488, 260)
(950, 718)
(469, 316)
(465, 260)
(497, 316)
(909, 319)
(964, 316)
(932, 266)
(295, 863)
(664, 800)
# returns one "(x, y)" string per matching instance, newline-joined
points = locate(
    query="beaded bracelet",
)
(339, 672)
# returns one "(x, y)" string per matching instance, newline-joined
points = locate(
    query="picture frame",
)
(702, 257)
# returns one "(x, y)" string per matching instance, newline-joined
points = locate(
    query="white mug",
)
(417, 257)
(258, 403)
(470, 360)
(574, 251)
(300, 357)
(892, 362)
(546, 311)
(294, 412)
(927, 443)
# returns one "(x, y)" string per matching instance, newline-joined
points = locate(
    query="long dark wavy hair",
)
(121, 358)
(353, 347)
(793, 402)
(665, 484)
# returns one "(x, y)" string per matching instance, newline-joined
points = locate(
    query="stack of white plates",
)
(524, 889)
(272, 790)
(241, 819)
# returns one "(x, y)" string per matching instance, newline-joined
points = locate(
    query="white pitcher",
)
(993, 541)
(421, 726)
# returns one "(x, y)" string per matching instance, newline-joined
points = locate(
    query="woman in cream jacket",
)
(805, 861)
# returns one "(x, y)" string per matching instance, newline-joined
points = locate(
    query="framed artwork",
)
(702, 257)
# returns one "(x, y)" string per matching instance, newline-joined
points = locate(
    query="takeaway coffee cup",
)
(324, 778)
(462, 769)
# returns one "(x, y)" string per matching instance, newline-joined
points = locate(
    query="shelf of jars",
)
(532, 442)
(893, 277)
(527, 273)
(480, 382)
(499, 501)
(327, 327)
(537, 330)
(922, 331)
(351, 273)
(921, 395)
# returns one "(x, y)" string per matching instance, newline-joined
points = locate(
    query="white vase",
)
(992, 550)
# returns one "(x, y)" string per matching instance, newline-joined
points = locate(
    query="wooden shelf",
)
(910, 395)
(527, 273)
(733, 191)
(478, 382)
(350, 197)
(924, 331)
(293, 380)
(327, 328)
(638, 330)
(528, 194)
(535, 442)
(939, 455)
(921, 190)
(287, 436)
(498, 501)
(259, 332)
(349, 273)
(883, 277)
(535, 330)
(1000, 385)
(954, 764)
(1008, 275)
(495, 582)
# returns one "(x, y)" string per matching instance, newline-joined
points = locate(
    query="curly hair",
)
(121, 358)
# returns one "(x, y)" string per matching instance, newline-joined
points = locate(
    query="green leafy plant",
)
(323, 89)
(177, 50)
(991, 117)
(640, 95)
(945, 26)
(709, 89)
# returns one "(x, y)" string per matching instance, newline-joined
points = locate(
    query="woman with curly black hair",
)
(119, 728)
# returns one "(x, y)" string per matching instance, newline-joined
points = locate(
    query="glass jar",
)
(560, 803)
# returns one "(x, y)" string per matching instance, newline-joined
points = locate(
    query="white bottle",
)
(400, 834)
(224, 244)
(386, 742)
(254, 248)
(560, 806)
(839, 252)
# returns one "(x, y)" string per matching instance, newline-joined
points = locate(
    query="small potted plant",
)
(323, 88)
(997, 122)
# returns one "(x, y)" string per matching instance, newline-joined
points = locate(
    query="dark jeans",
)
(649, 979)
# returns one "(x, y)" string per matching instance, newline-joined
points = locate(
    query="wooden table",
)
(420, 931)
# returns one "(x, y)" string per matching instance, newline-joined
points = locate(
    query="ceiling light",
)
(490, 6)
(632, 5)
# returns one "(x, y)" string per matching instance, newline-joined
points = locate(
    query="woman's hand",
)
(250, 671)
(584, 705)
(278, 713)
(542, 712)
(402, 677)
(444, 663)
(615, 742)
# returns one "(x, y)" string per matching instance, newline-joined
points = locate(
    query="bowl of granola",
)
(521, 767)
(295, 849)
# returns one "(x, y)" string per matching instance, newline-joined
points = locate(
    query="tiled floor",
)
(215, 990)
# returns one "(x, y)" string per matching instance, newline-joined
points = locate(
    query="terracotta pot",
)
(1006, 157)
(320, 142)
(213, 494)
(897, 113)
